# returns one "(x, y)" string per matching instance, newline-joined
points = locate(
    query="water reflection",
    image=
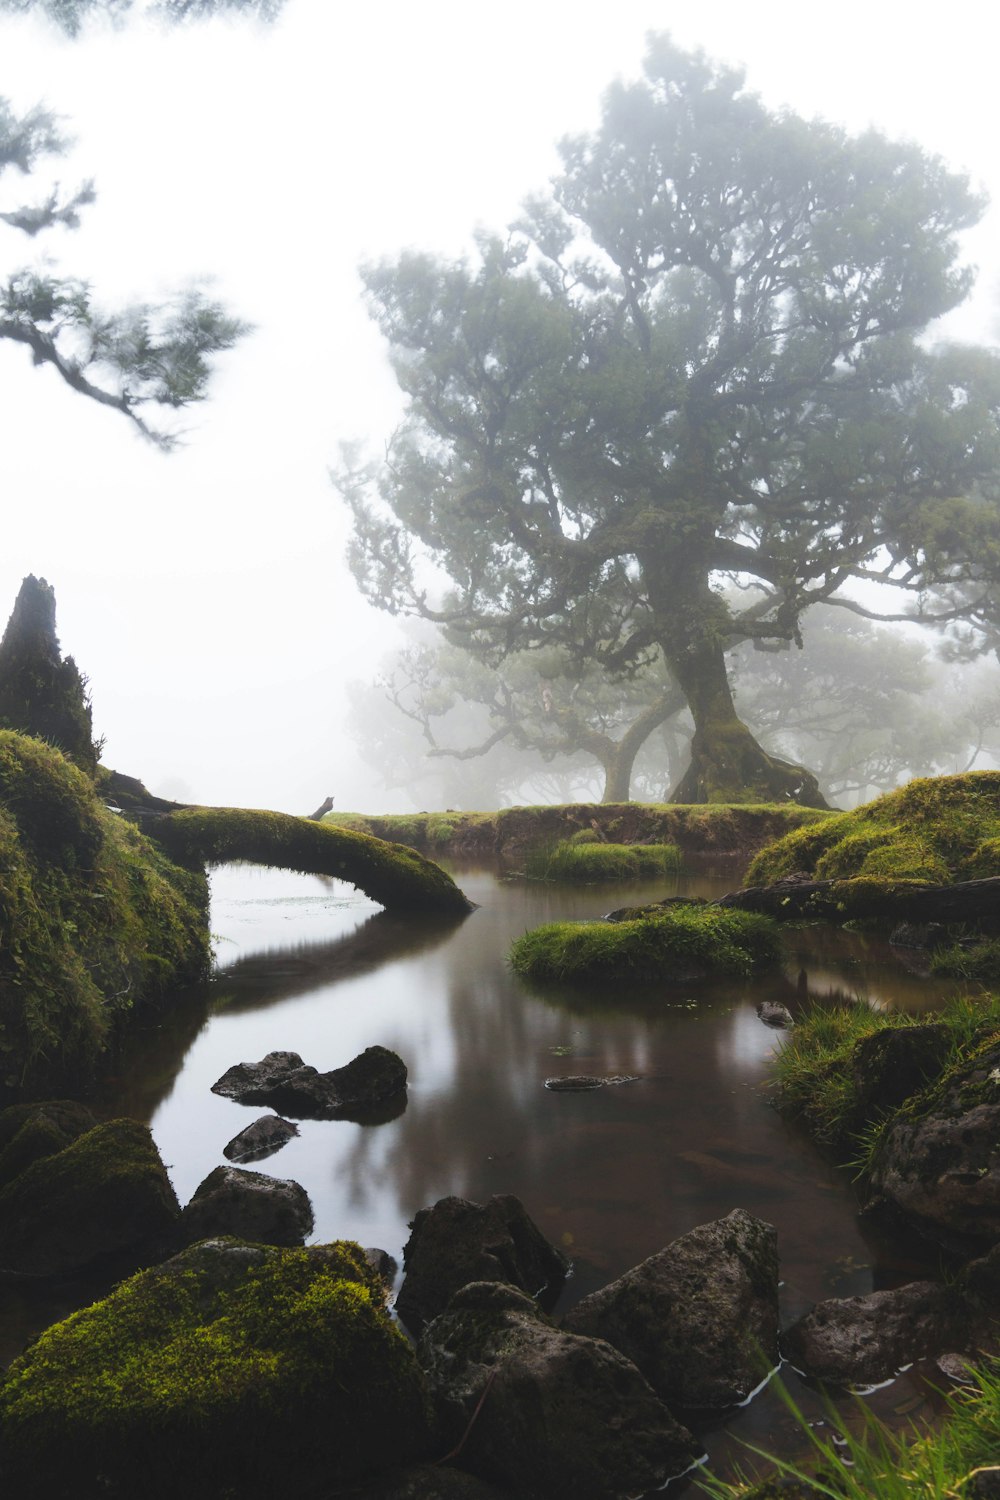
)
(610, 1175)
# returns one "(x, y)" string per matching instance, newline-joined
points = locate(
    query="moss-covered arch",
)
(395, 876)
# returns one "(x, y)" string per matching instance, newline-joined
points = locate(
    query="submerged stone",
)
(576, 1083)
(699, 1318)
(262, 1138)
(564, 1417)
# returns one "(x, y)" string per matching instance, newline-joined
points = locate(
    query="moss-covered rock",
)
(93, 919)
(590, 861)
(935, 829)
(937, 1160)
(105, 1194)
(682, 943)
(29, 1132)
(231, 1370)
(397, 877)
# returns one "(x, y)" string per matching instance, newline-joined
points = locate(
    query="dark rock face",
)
(699, 1318)
(864, 1340)
(941, 1168)
(456, 1242)
(284, 1082)
(249, 1205)
(892, 1064)
(563, 1416)
(29, 1132)
(107, 1193)
(262, 1138)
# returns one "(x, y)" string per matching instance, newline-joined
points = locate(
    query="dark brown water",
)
(611, 1176)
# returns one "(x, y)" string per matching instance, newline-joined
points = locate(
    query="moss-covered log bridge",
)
(395, 876)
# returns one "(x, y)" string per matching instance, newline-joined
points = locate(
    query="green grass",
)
(814, 1074)
(874, 1463)
(980, 962)
(702, 939)
(585, 860)
(936, 829)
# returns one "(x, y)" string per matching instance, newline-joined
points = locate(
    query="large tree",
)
(136, 359)
(696, 363)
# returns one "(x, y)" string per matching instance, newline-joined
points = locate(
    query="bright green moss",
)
(681, 942)
(397, 877)
(934, 829)
(588, 860)
(231, 1370)
(93, 920)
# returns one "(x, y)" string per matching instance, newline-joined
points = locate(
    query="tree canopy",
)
(695, 365)
(137, 358)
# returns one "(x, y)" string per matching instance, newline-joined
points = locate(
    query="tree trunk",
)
(618, 773)
(727, 763)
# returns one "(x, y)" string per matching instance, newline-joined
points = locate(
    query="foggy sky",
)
(205, 593)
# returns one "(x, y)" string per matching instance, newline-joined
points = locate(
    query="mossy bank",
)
(95, 920)
(511, 834)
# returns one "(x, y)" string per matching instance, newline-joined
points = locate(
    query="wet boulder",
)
(937, 1159)
(858, 1341)
(584, 1083)
(368, 1082)
(557, 1415)
(28, 1132)
(455, 1242)
(250, 1206)
(775, 1015)
(699, 1318)
(263, 1138)
(233, 1369)
(105, 1194)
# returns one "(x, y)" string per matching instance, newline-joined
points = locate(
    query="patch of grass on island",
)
(584, 859)
(684, 942)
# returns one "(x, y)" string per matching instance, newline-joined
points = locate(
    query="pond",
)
(611, 1176)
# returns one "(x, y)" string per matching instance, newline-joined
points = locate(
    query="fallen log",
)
(974, 902)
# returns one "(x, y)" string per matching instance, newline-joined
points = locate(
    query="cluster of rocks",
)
(75, 1192)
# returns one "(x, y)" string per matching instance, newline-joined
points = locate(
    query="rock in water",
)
(699, 1318)
(283, 1081)
(865, 1340)
(262, 1138)
(936, 1159)
(456, 1242)
(579, 1083)
(251, 1206)
(564, 1417)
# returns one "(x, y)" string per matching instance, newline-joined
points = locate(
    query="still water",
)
(612, 1176)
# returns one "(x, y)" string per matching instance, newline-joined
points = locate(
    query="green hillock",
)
(584, 859)
(935, 829)
(94, 919)
(232, 1369)
(684, 942)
